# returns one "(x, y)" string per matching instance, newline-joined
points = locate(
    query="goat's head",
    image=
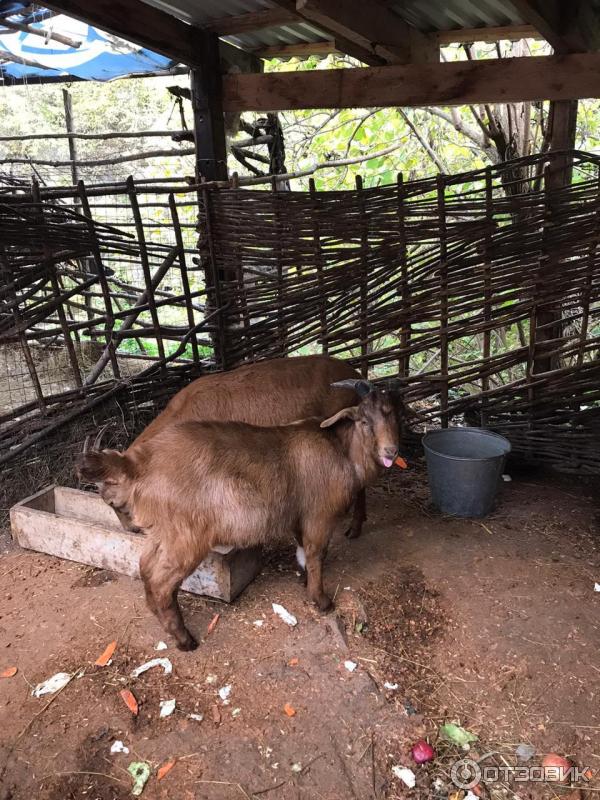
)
(111, 471)
(374, 421)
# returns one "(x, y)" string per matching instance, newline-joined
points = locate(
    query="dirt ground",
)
(493, 625)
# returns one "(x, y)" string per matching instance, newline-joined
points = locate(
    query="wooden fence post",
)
(141, 237)
(364, 278)
(441, 206)
(405, 332)
(318, 254)
(62, 317)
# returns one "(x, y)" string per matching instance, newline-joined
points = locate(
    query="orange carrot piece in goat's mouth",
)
(400, 462)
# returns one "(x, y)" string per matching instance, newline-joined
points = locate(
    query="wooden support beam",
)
(572, 27)
(366, 55)
(496, 34)
(299, 49)
(254, 21)
(413, 43)
(456, 83)
(140, 23)
(545, 19)
(562, 128)
(144, 25)
(207, 106)
(372, 26)
(433, 40)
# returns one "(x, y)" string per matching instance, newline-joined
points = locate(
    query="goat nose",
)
(391, 451)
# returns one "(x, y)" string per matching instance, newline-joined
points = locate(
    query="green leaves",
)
(457, 735)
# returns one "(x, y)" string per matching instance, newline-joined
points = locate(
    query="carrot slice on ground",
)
(9, 672)
(289, 710)
(165, 769)
(213, 624)
(400, 462)
(293, 662)
(106, 656)
(130, 701)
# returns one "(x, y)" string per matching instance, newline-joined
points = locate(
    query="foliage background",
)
(379, 142)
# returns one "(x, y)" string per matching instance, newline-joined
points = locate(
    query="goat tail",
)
(99, 466)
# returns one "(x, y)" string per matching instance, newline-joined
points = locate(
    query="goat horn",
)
(99, 436)
(360, 386)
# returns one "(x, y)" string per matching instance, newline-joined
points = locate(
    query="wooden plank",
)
(78, 526)
(546, 18)
(457, 83)
(495, 34)
(253, 21)
(569, 27)
(356, 49)
(141, 23)
(440, 39)
(138, 22)
(372, 26)
(299, 49)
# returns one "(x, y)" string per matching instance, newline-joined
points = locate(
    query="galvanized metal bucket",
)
(464, 466)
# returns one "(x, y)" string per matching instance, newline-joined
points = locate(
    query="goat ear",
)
(345, 413)
(96, 466)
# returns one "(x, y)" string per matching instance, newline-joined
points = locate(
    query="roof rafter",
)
(372, 26)
(252, 21)
(441, 38)
(572, 27)
(139, 23)
(149, 27)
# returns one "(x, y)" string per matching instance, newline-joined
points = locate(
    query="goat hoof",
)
(353, 533)
(188, 644)
(325, 603)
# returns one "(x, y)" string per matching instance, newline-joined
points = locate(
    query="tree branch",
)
(457, 123)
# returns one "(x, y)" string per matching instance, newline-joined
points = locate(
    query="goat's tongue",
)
(387, 462)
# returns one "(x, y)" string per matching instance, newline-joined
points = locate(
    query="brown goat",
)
(199, 484)
(267, 393)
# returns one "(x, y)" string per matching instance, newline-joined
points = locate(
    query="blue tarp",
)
(99, 56)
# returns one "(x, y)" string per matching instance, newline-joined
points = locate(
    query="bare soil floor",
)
(494, 625)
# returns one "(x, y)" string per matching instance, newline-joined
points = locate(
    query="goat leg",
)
(315, 547)
(162, 578)
(359, 515)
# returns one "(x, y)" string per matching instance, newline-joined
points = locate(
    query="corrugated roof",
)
(444, 15)
(426, 15)
(201, 12)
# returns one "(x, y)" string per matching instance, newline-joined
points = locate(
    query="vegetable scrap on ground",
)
(451, 644)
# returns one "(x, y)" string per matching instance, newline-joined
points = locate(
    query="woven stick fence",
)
(479, 290)
(90, 309)
(448, 282)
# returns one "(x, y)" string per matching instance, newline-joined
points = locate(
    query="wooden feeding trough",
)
(79, 526)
